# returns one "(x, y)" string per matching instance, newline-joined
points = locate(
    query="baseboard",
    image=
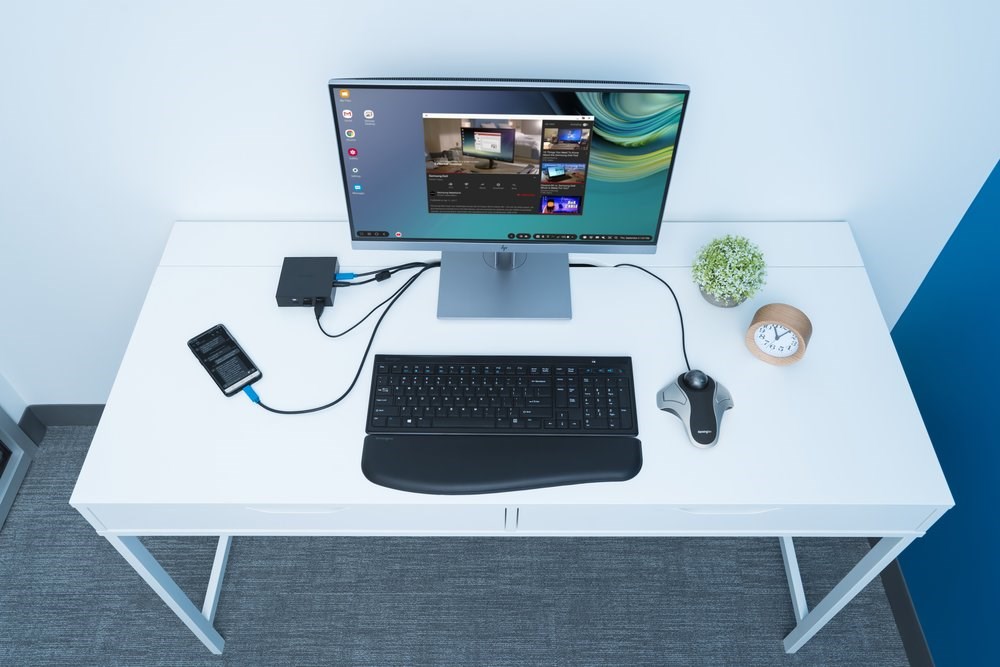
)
(32, 426)
(37, 418)
(918, 653)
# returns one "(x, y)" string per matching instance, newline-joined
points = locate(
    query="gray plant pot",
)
(727, 303)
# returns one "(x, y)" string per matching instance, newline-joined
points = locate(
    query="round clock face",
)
(776, 341)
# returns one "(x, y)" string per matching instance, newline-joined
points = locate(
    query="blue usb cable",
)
(248, 390)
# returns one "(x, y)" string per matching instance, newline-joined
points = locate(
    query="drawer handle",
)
(270, 510)
(728, 511)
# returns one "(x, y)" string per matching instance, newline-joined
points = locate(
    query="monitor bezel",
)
(507, 245)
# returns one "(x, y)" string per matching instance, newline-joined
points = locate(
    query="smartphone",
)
(224, 359)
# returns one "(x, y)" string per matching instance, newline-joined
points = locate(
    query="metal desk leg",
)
(860, 575)
(794, 579)
(153, 574)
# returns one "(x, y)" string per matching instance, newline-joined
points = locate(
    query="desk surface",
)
(839, 429)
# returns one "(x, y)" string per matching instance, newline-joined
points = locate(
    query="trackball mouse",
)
(699, 402)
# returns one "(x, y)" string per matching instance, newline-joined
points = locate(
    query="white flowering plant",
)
(731, 269)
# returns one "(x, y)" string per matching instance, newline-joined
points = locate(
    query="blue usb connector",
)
(248, 390)
(345, 276)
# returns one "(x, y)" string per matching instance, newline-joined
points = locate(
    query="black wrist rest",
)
(466, 464)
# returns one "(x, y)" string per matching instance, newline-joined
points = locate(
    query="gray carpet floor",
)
(67, 598)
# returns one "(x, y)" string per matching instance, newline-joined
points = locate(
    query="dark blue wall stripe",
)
(949, 342)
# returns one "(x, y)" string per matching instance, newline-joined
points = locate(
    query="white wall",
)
(117, 118)
(10, 401)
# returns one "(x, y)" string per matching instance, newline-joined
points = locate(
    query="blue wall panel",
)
(949, 343)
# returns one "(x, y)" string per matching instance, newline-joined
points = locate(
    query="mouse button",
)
(673, 394)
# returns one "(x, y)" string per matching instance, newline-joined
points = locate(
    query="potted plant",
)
(729, 270)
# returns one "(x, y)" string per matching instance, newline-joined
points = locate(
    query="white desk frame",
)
(807, 450)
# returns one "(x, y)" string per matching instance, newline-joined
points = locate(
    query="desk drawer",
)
(297, 519)
(520, 520)
(722, 520)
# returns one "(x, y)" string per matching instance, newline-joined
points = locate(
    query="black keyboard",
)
(481, 424)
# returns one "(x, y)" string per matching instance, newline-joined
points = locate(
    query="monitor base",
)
(504, 285)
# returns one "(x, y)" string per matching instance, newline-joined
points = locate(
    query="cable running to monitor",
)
(392, 300)
(380, 275)
(383, 274)
(677, 303)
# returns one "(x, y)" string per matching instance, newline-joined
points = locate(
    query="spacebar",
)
(462, 422)
(488, 463)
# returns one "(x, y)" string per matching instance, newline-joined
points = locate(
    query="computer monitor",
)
(492, 143)
(506, 178)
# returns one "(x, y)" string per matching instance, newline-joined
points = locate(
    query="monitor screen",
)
(456, 164)
(494, 143)
(469, 162)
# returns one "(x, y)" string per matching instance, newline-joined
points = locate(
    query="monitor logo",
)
(503, 248)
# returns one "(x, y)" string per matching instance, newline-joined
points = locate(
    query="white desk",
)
(832, 446)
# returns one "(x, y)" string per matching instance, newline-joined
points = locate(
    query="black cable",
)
(319, 312)
(392, 269)
(391, 300)
(344, 283)
(676, 302)
(380, 274)
(412, 279)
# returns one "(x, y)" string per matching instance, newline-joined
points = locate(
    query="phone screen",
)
(224, 359)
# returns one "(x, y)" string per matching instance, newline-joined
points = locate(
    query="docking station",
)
(307, 281)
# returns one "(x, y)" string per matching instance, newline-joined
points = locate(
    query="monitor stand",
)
(504, 285)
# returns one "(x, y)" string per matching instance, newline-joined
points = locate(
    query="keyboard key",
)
(463, 422)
